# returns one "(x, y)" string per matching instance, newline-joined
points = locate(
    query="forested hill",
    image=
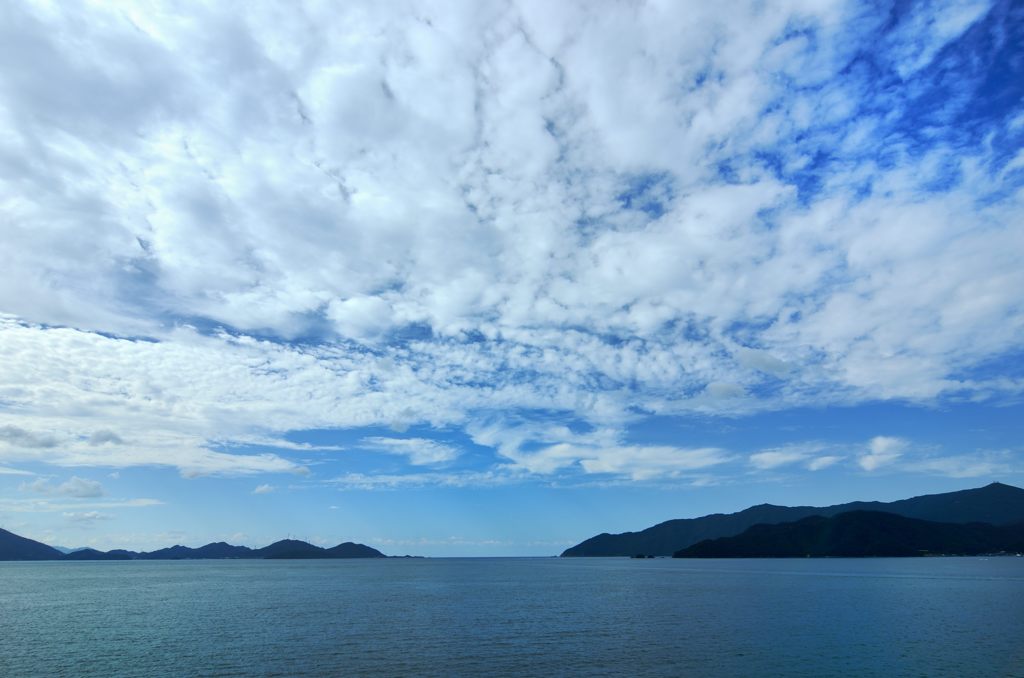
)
(997, 504)
(858, 534)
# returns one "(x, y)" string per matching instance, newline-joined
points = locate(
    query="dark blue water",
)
(536, 617)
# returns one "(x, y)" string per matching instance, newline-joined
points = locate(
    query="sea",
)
(514, 617)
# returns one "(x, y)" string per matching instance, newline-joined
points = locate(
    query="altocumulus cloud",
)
(73, 487)
(233, 225)
(86, 516)
(419, 451)
(882, 451)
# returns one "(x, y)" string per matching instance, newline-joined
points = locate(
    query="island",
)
(16, 547)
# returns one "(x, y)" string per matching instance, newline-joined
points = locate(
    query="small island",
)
(15, 547)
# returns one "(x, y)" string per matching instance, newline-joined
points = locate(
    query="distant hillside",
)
(290, 548)
(215, 550)
(352, 550)
(996, 503)
(93, 554)
(861, 534)
(13, 547)
(666, 538)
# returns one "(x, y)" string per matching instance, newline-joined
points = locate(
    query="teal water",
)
(507, 617)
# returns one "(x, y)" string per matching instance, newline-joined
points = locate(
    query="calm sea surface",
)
(507, 617)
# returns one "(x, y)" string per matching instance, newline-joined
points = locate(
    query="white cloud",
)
(155, 392)
(991, 464)
(105, 438)
(476, 209)
(263, 489)
(763, 361)
(361, 317)
(50, 506)
(544, 448)
(390, 481)
(17, 437)
(882, 451)
(73, 487)
(647, 462)
(719, 389)
(419, 451)
(823, 462)
(774, 458)
(80, 487)
(807, 455)
(636, 462)
(86, 516)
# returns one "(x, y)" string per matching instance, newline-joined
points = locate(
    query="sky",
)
(489, 278)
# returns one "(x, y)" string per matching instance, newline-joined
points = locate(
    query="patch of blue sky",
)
(727, 173)
(410, 333)
(651, 193)
(747, 332)
(960, 101)
(967, 90)
(473, 336)
(981, 74)
(767, 387)
(690, 328)
(364, 449)
(310, 329)
(1008, 365)
(953, 427)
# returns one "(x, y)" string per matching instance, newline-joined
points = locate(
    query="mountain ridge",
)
(995, 503)
(861, 534)
(16, 547)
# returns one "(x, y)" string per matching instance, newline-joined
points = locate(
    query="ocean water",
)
(509, 617)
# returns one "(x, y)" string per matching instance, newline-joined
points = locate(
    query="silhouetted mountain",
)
(861, 534)
(132, 555)
(13, 547)
(220, 549)
(290, 548)
(666, 538)
(353, 550)
(93, 554)
(996, 503)
(176, 552)
(215, 550)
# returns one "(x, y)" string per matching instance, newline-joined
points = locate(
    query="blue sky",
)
(490, 278)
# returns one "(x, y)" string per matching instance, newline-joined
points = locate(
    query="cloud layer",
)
(223, 227)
